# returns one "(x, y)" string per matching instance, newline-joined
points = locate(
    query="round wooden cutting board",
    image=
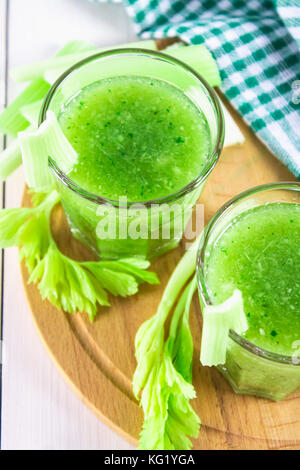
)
(97, 359)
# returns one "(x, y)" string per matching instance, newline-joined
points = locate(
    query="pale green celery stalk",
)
(48, 141)
(31, 112)
(52, 75)
(217, 321)
(183, 350)
(200, 59)
(197, 57)
(35, 161)
(24, 110)
(168, 416)
(11, 120)
(144, 337)
(178, 279)
(26, 73)
(71, 48)
(161, 379)
(75, 46)
(10, 160)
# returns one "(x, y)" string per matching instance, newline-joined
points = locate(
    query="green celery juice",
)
(137, 137)
(259, 254)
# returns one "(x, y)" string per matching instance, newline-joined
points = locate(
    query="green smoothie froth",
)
(135, 136)
(259, 253)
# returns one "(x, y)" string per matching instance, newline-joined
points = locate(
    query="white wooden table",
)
(38, 409)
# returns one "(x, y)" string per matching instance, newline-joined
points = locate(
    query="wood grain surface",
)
(38, 410)
(97, 359)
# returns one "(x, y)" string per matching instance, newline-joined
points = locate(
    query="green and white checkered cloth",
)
(289, 11)
(256, 46)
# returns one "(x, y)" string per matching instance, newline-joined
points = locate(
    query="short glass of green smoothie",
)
(253, 244)
(148, 130)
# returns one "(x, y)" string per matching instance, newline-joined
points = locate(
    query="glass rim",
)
(248, 345)
(196, 182)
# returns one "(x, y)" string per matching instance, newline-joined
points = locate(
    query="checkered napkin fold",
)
(256, 44)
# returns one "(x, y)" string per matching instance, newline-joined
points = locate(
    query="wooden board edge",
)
(72, 381)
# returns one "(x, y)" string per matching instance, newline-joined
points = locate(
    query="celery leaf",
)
(73, 286)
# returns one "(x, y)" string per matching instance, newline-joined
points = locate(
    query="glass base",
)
(250, 374)
(114, 249)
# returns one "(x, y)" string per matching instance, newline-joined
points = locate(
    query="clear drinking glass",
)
(249, 368)
(161, 220)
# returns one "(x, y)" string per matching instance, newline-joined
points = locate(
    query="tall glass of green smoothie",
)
(147, 131)
(253, 244)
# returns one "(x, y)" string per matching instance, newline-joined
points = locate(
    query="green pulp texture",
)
(136, 137)
(259, 253)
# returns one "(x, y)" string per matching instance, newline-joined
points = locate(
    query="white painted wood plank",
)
(39, 411)
(3, 16)
(2, 53)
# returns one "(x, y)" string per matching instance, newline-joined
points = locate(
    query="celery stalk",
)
(75, 46)
(35, 161)
(152, 331)
(30, 72)
(24, 110)
(217, 321)
(48, 141)
(31, 112)
(11, 120)
(162, 379)
(200, 59)
(51, 75)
